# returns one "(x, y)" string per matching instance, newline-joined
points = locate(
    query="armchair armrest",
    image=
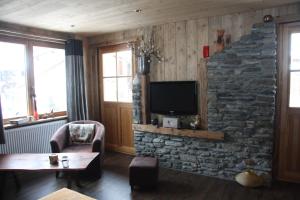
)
(59, 139)
(98, 142)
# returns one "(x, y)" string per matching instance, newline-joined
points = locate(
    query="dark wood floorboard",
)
(173, 185)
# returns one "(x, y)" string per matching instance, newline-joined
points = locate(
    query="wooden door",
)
(289, 99)
(116, 70)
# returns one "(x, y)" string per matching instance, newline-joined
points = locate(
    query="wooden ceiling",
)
(92, 17)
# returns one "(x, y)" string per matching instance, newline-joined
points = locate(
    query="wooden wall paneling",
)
(293, 9)
(147, 34)
(192, 49)
(158, 73)
(258, 16)
(247, 21)
(154, 62)
(283, 10)
(277, 138)
(268, 11)
(227, 24)
(214, 23)
(170, 52)
(236, 31)
(94, 86)
(181, 50)
(113, 38)
(202, 37)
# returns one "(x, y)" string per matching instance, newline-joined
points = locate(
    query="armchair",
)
(60, 143)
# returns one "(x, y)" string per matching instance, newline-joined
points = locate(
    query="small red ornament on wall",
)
(205, 51)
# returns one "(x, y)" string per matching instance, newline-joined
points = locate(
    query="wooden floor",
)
(172, 185)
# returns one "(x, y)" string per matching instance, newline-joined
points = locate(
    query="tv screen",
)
(173, 97)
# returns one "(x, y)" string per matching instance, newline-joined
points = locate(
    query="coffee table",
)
(11, 163)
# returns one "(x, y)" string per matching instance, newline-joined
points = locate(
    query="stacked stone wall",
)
(241, 103)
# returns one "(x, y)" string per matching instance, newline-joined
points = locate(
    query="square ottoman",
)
(143, 172)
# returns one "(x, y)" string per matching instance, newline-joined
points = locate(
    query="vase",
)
(249, 179)
(144, 65)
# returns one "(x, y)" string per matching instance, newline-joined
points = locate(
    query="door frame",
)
(282, 96)
(100, 51)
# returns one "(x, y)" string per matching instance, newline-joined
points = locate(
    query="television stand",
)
(211, 135)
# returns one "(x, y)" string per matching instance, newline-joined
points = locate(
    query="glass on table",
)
(65, 161)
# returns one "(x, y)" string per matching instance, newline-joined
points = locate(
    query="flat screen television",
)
(173, 97)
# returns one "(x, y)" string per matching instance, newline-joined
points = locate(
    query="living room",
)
(103, 99)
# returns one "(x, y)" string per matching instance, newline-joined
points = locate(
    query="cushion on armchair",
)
(81, 133)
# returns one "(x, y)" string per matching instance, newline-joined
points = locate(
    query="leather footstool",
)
(143, 172)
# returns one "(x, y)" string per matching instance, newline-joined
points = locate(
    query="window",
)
(13, 79)
(49, 79)
(28, 68)
(294, 70)
(117, 76)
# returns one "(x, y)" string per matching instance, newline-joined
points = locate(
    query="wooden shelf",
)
(212, 135)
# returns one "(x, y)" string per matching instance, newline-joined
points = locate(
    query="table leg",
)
(2, 183)
(17, 182)
(69, 180)
(77, 179)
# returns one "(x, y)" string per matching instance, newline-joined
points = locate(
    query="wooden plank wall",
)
(181, 44)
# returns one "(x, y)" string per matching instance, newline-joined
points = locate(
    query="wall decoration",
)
(268, 18)
(145, 51)
(220, 44)
(227, 40)
(205, 51)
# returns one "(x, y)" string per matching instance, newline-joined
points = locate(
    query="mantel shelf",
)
(212, 135)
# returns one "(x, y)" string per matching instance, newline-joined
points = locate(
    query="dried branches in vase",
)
(145, 49)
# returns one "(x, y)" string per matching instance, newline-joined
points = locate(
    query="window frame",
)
(29, 68)
(115, 49)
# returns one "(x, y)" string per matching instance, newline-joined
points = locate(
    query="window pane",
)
(109, 64)
(125, 89)
(295, 51)
(295, 89)
(124, 63)
(12, 80)
(110, 89)
(50, 79)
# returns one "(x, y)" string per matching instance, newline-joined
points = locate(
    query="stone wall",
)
(241, 103)
(136, 100)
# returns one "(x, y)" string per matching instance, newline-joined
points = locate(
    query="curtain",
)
(2, 140)
(76, 96)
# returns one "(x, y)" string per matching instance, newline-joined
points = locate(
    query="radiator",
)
(30, 139)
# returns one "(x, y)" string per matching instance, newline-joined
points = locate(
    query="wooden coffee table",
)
(40, 162)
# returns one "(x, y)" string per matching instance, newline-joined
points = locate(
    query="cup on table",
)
(65, 161)
(53, 158)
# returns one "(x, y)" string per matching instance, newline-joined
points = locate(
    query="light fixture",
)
(138, 10)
